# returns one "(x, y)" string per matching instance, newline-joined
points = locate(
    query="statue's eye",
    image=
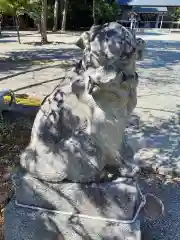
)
(78, 81)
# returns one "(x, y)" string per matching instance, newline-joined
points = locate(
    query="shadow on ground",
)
(45, 54)
(19, 62)
(15, 130)
(38, 84)
(149, 33)
(164, 137)
(160, 142)
(61, 65)
(161, 53)
(44, 45)
(6, 40)
(9, 34)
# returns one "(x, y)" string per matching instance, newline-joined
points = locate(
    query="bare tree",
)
(44, 22)
(16, 19)
(56, 10)
(64, 15)
(61, 5)
(1, 19)
(94, 12)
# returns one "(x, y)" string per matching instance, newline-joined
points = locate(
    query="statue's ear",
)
(94, 30)
(83, 41)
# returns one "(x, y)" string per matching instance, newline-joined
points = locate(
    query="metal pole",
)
(157, 21)
(161, 21)
(178, 24)
(131, 26)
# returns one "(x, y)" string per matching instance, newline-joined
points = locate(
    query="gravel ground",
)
(168, 226)
(154, 130)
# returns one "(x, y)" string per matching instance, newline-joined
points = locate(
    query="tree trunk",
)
(64, 15)
(61, 6)
(1, 19)
(61, 10)
(38, 25)
(44, 22)
(94, 12)
(17, 28)
(56, 8)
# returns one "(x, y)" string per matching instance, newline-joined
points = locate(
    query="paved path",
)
(36, 69)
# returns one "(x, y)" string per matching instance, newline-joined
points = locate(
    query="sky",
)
(150, 2)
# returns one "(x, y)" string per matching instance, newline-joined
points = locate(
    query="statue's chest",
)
(104, 125)
(108, 128)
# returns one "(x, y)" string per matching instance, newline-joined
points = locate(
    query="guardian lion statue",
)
(77, 177)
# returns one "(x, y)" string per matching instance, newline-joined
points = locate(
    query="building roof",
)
(139, 9)
(159, 3)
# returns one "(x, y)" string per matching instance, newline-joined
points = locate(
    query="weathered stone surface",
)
(77, 140)
(100, 210)
(34, 225)
(80, 127)
(113, 199)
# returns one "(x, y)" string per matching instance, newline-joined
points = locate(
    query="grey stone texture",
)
(66, 187)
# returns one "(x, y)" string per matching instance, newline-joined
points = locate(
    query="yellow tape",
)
(29, 101)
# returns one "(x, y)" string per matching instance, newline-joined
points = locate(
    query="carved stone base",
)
(21, 224)
(72, 211)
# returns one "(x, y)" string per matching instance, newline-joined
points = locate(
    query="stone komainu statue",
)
(77, 177)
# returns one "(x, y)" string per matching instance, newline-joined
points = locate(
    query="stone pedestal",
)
(73, 211)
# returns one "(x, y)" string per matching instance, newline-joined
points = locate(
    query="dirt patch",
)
(14, 137)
